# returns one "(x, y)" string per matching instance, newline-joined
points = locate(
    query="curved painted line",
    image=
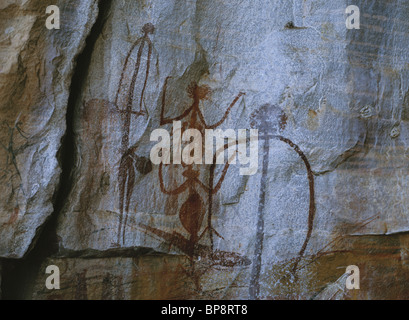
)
(312, 208)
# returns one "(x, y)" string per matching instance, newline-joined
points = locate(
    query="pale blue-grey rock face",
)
(37, 65)
(331, 105)
(343, 92)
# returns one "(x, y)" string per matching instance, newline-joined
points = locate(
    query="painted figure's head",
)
(269, 118)
(148, 28)
(198, 92)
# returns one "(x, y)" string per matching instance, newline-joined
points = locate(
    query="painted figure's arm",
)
(164, 120)
(213, 126)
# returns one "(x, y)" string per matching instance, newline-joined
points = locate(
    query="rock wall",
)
(36, 69)
(331, 109)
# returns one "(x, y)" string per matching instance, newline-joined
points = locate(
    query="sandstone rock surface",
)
(35, 76)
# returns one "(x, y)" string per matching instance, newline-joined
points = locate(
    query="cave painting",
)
(193, 211)
(129, 89)
(129, 160)
(272, 120)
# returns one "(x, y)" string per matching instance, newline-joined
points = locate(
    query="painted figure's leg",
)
(129, 190)
(148, 64)
(213, 126)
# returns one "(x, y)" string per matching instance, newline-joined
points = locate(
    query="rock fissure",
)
(18, 275)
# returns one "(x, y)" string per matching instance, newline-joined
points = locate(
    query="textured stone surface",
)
(334, 291)
(330, 190)
(35, 75)
(149, 277)
(382, 261)
(319, 73)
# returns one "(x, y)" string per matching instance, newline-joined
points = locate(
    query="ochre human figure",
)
(193, 119)
(193, 211)
(123, 103)
(197, 120)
